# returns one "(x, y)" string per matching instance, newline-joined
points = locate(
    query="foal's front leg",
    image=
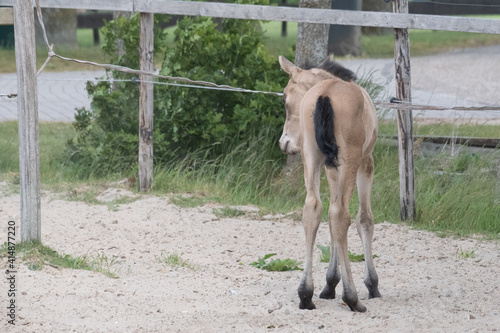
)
(311, 217)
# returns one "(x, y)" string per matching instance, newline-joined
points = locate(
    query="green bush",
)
(230, 52)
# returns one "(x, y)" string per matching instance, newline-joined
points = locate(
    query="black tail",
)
(324, 130)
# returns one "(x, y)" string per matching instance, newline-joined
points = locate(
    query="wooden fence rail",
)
(274, 13)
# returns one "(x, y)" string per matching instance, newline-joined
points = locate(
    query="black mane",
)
(335, 69)
(338, 70)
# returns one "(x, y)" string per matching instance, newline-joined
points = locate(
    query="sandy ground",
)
(426, 285)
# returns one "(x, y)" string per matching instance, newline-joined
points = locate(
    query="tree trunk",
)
(311, 50)
(376, 6)
(60, 25)
(345, 39)
(119, 43)
(312, 38)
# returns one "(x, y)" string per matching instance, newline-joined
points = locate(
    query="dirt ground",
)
(426, 285)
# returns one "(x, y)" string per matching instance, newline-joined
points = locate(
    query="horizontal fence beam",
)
(325, 16)
(460, 140)
(273, 13)
(114, 5)
(6, 16)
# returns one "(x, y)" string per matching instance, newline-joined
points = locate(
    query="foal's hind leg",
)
(364, 223)
(342, 183)
(333, 272)
(311, 217)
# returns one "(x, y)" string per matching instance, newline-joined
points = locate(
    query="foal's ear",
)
(288, 66)
(329, 58)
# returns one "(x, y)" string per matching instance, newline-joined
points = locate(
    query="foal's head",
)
(301, 81)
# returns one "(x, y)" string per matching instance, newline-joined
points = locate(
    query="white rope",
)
(405, 106)
(8, 95)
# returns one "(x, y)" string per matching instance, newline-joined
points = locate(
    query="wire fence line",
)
(188, 83)
(11, 95)
(392, 105)
(166, 77)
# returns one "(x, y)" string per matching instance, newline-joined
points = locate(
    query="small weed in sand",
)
(174, 260)
(227, 212)
(353, 257)
(465, 254)
(102, 263)
(188, 201)
(36, 256)
(325, 252)
(84, 193)
(112, 206)
(277, 265)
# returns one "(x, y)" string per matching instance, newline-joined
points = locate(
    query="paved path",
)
(59, 94)
(467, 77)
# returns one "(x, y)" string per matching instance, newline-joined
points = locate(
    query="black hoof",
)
(307, 305)
(355, 306)
(305, 296)
(327, 293)
(372, 286)
(374, 293)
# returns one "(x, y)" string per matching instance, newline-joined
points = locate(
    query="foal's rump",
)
(338, 118)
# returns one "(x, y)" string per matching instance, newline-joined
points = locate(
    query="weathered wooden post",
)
(405, 122)
(27, 107)
(146, 103)
(284, 23)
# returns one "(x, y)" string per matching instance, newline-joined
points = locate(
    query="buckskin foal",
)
(333, 123)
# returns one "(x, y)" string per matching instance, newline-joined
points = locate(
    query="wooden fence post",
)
(405, 122)
(27, 107)
(146, 103)
(284, 23)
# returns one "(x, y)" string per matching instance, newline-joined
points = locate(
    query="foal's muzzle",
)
(287, 145)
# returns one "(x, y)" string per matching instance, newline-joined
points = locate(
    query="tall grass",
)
(248, 173)
(90, 53)
(52, 137)
(458, 193)
(482, 130)
(453, 193)
(9, 143)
